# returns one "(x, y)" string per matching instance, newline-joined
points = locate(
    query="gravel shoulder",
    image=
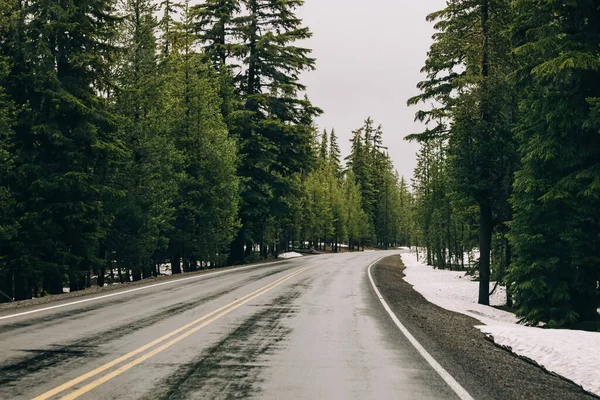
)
(24, 305)
(482, 368)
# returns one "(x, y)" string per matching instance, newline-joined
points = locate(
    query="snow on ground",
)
(165, 269)
(454, 291)
(291, 254)
(572, 354)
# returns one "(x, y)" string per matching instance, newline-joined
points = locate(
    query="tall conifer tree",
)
(556, 228)
(60, 215)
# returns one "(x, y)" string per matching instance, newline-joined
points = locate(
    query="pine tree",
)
(7, 120)
(207, 200)
(324, 149)
(556, 230)
(276, 136)
(217, 26)
(357, 220)
(143, 213)
(476, 111)
(335, 155)
(170, 10)
(61, 215)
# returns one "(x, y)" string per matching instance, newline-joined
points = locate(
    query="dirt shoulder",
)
(483, 369)
(97, 290)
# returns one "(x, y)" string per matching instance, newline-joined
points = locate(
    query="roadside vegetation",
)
(510, 162)
(135, 134)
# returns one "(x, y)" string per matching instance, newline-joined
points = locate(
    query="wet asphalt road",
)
(308, 328)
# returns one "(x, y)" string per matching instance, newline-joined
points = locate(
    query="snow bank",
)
(454, 291)
(291, 254)
(574, 355)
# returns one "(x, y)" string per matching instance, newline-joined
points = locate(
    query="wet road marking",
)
(204, 321)
(138, 289)
(454, 385)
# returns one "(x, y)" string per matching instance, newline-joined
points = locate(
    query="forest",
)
(136, 133)
(510, 161)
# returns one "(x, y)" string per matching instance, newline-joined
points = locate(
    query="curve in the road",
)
(454, 385)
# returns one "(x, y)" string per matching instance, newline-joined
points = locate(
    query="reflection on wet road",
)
(304, 329)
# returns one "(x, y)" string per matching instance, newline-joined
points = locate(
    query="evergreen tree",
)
(207, 199)
(276, 136)
(217, 26)
(357, 220)
(335, 155)
(476, 112)
(7, 119)
(556, 230)
(60, 211)
(143, 213)
(324, 149)
(358, 162)
(170, 10)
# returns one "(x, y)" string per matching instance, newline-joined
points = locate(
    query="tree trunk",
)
(485, 243)
(509, 300)
(176, 264)
(236, 253)
(137, 274)
(74, 276)
(120, 271)
(101, 273)
(249, 250)
(52, 282)
(485, 207)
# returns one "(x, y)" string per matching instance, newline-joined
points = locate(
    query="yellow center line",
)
(218, 313)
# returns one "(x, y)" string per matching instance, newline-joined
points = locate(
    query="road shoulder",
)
(96, 291)
(483, 369)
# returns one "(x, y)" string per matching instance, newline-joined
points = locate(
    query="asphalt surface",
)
(308, 328)
(482, 368)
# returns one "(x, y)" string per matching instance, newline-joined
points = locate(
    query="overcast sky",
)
(369, 54)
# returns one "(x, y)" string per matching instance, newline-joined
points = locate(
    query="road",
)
(305, 328)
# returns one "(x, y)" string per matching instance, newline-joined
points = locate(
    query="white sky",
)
(369, 54)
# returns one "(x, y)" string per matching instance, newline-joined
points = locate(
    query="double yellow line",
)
(175, 336)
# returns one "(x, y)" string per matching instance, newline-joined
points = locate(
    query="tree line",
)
(135, 134)
(510, 160)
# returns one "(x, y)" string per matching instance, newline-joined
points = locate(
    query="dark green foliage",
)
(218, 26)
(556, 227)
(112, 151)
(272, 124)
(488, 57)
(335, 155)
(59, 198)
(379, 186)
(467, 70)
(208, 195)
(142, 209)
(123, 146)
(7, 118)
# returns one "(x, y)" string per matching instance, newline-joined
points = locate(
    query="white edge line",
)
(200, 276)
(454, 385)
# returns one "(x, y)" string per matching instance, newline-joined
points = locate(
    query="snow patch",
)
(291, 254)
(572, 354)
